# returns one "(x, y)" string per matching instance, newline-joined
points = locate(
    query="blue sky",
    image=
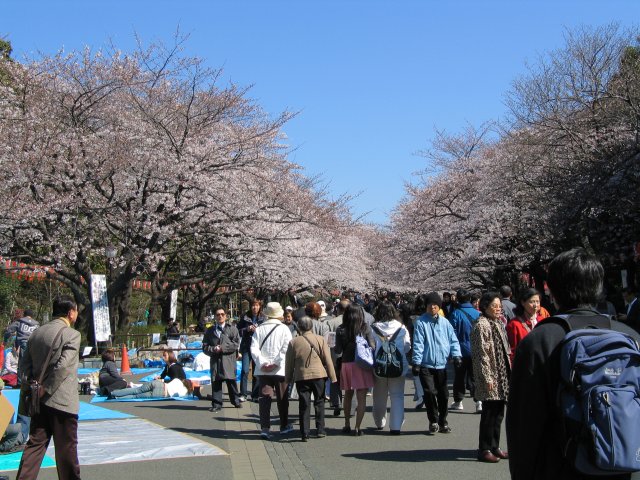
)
(371, 79)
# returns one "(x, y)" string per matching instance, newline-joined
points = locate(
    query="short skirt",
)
(353, 377)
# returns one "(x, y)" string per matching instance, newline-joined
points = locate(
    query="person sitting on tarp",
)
(172, 369)
(9, 373)
(155, 389)
(16, 435)
(109, 378)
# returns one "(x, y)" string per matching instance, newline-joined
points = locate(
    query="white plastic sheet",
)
(132, 440)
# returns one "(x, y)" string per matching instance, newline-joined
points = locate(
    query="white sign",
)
(100, 303)
(173, 311)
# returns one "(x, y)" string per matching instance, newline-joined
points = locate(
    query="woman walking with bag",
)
(308, 363)
(352, 376)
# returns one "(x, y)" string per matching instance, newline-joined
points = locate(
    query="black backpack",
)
(388, 359)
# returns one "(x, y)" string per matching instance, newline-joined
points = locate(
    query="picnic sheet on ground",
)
(132, 440)
(87, 411)
(99, 399)
(126, 440)
(11, 461)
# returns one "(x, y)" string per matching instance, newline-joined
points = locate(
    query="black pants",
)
(463, 379)
(63, 427)
(490, 423)
(216, 392)
(270, 384)
(335, 394)
(436, 394)
(307, 388)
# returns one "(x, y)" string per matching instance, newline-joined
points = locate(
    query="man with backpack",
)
(462, 319)
(545, 435)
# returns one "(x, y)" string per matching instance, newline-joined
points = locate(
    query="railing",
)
(132, 340)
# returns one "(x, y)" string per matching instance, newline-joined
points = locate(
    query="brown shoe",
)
(500, 454)
(487, 457)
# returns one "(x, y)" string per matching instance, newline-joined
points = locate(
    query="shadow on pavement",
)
(445, 455)
(220, 433)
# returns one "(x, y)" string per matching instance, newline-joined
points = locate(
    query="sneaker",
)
(444, 428)
(420, 405)
(383, 424)
(456, 406)
(242, 398)
(265, 434)
(287, 429)
(433, 428)
(478, 406)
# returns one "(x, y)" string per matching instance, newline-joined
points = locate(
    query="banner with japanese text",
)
(100, 304)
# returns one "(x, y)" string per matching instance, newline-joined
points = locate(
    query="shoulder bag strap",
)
(466, 314)
(268, 335)
(313, 349)
(46, 362)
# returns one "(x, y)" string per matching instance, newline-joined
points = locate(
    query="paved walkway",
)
(376, 455)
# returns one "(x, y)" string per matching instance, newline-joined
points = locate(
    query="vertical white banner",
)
(173, 311)
(100, 304)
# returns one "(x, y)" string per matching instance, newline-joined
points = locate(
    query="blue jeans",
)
(247, 361)
(146, 390)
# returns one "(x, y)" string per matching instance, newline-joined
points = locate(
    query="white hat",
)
(289, 308)
(274, 310)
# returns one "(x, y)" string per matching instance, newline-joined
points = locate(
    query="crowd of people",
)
(479, 333)
(504, 355)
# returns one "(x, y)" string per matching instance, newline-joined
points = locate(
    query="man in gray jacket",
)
(60, 404)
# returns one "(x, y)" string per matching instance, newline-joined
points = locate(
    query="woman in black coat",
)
(109, 378)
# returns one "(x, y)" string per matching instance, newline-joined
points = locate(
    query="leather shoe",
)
(487, 457)
(500, 454)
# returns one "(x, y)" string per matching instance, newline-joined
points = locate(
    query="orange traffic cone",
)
(125, 369)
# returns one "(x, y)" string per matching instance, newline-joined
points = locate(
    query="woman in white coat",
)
(385, 328)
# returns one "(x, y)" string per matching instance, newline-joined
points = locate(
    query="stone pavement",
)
(376, 455)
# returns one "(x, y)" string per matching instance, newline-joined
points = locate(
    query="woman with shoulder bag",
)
(308, 363)
(352, 376)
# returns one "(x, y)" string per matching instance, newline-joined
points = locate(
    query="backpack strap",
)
(385, 337)
(577, 322)
(378, 332)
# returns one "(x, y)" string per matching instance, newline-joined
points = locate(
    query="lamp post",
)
(110, 252)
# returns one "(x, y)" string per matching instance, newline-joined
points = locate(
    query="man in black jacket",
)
(533, 424)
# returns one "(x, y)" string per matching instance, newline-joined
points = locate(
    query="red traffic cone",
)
(125, 369)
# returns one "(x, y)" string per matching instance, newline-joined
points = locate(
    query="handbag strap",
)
(46, 362)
